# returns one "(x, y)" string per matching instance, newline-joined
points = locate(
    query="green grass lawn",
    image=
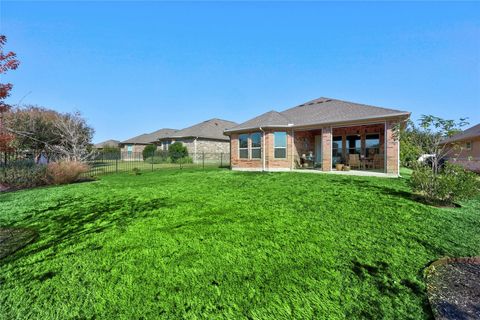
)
(221, 244)
(112, 166)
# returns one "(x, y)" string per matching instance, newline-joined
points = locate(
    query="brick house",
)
(204, 139)
(465, 148)
(319, 134)
(132, 148)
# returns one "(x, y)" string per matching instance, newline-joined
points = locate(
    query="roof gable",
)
(472, 132)
(319, 111)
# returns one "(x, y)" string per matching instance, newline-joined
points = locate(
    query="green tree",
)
(177, 151)
(149, 151)
(434, 182)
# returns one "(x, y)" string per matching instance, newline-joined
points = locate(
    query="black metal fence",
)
(115, 162)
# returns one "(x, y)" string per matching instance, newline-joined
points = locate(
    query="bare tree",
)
(74, 137)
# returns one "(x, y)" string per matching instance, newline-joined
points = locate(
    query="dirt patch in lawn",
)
(13, 239)
(453, 287)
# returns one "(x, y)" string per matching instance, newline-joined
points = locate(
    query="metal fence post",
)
(203, 160)
(153, 155)
(221, 159)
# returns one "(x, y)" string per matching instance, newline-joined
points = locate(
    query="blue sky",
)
(132, 68)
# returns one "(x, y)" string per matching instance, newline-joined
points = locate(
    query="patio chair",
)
(377, 161)
(354, 161)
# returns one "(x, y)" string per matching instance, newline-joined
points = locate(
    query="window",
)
(372, 145)
(256, 145)
(468, 145)
(354, 144)
(243, 146)
(337, 152)
(166, 144)
(280, 145)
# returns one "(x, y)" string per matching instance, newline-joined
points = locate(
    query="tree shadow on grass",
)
(70, 220)
(380, 275)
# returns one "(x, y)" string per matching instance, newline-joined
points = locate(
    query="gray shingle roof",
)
(473, 132)
(210, 129)
(103, 144)
(148, 138)
(319, 111)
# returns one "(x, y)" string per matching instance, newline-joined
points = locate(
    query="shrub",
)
(23, 174)
(63, 172)
(185, 160)
(148, 151)
(451, 184)
(158, 157)
(177, 151)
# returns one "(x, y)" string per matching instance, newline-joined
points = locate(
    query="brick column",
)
(392, 149)
(327, 149)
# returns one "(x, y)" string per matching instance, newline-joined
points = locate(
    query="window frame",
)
(255, 148)
(348, 148)
(375, 148)
(275, 147)
(468, 145)
(244, 148)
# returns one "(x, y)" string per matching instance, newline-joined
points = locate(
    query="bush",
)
(177, 151)
(185, 160)
(451, 184)
(64, 172)
(21, 174)
(158, 157)
(148, 151)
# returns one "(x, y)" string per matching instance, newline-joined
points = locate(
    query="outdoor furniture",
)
(377, 161)
(354, 161)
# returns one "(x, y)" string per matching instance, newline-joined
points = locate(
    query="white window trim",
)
(467, 147)
(239, 148)
(255, 148)
(286, 144)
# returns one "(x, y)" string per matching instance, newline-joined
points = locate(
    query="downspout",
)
(263, 149)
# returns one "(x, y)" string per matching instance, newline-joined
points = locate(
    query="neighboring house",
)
(205, 139)
(107, 143)
(319, 134)
(132, 148)
(465, 148)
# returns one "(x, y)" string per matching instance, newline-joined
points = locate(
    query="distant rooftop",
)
(107, 143)
(148, 138)
(473, 132)
(209, 129)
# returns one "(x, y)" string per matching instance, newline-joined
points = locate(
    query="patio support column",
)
(327, 149)
(391, 149)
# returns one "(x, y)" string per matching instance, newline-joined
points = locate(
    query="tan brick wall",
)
(238, 163)
(301, 142)
(469, 159)
(270, 162)
(327, 149)
(393, 146)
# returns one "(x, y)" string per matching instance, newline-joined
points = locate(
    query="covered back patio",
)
(349, 147)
